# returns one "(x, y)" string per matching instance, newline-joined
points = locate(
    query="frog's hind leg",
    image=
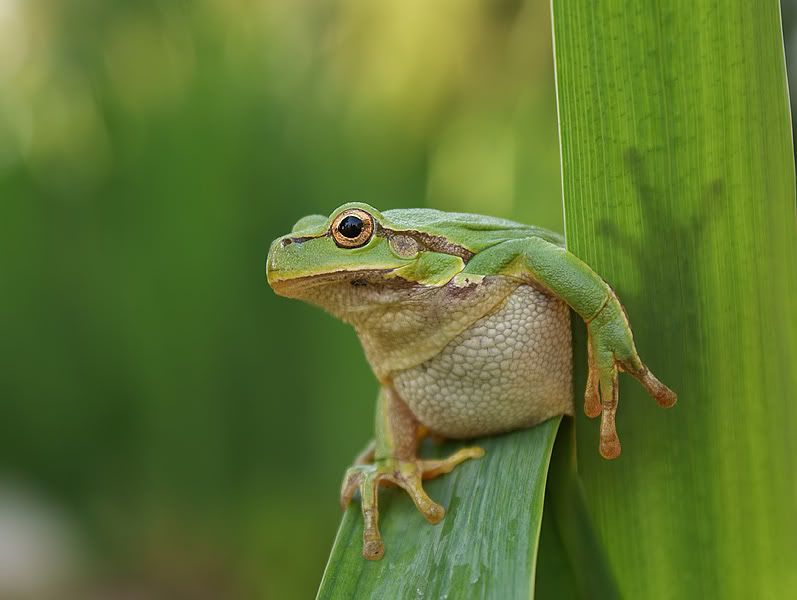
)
(425, 433)
(395, 462)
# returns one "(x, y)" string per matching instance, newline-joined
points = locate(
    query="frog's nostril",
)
(285, 242)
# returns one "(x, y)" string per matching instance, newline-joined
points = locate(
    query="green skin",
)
(426, 249)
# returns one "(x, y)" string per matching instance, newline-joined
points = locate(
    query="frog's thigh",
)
(509, 370)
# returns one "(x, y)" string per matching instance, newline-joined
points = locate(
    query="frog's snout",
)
(272, 259)
(281, 262)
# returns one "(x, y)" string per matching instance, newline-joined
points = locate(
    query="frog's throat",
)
(403, 335)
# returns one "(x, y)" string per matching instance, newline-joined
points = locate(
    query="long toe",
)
(433, 468)
(430, 509)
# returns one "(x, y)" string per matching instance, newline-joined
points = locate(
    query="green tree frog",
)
(465, 321)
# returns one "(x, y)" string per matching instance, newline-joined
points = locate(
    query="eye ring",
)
(352, 228)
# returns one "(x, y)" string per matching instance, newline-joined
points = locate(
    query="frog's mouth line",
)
(288, 285)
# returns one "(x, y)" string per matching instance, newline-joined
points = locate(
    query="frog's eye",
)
(352, 228)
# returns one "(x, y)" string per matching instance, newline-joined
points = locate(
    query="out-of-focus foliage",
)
(167, 425)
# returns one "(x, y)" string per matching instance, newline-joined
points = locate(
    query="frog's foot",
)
(601, 396)
(405, 474)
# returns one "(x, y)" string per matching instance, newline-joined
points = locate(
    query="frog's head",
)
(354, 254)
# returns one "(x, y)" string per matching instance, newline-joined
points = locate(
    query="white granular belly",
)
(511, 369)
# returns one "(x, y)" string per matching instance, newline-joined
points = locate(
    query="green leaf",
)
(485, 546)
(678, 181)
(572, 561)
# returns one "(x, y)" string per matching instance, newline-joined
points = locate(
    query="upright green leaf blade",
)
(679, 189)
(485, 547)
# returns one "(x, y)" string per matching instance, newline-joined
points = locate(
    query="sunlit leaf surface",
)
(678, 184)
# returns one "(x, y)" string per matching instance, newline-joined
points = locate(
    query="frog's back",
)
(474, 232)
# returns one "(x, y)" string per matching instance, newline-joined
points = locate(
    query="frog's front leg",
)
(611, 344)
(611, 349)
(395, 461)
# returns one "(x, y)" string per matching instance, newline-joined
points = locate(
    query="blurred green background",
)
(168, 427)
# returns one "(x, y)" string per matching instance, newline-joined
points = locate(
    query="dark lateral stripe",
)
(435, 243)
(301, 240)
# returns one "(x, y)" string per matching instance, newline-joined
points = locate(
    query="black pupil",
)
(351, 227)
